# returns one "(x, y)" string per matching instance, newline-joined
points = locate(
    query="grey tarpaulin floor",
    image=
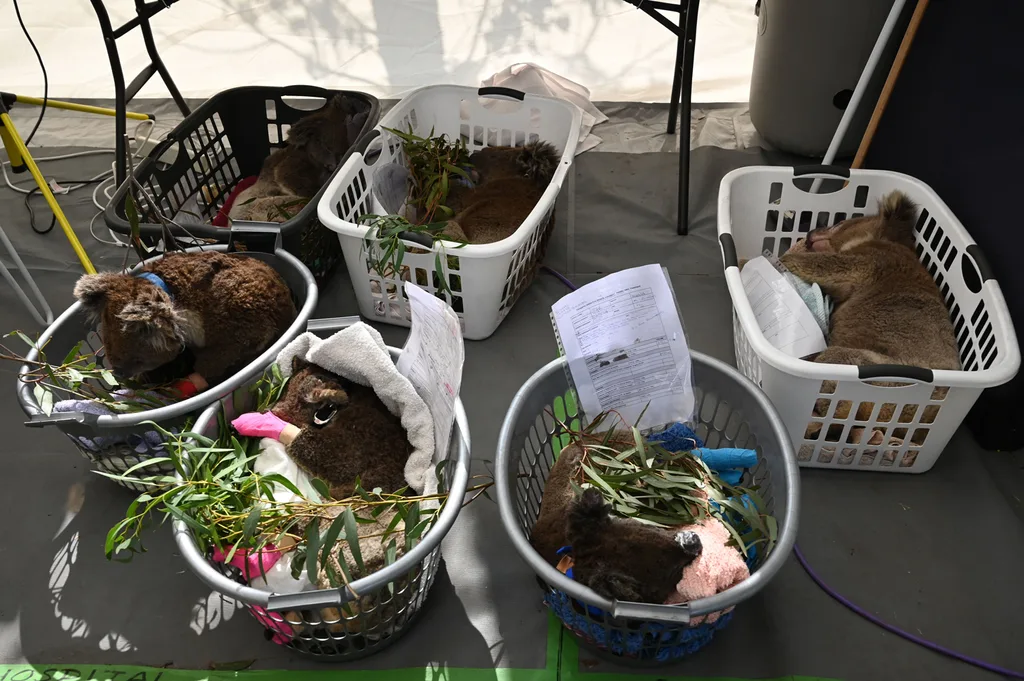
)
(937, 554)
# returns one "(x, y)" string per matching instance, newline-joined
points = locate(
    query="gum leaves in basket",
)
(231, 511)
(651, 493)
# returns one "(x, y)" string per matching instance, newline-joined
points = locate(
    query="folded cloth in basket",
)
(141, 443)
(717, 568)
(358, 353)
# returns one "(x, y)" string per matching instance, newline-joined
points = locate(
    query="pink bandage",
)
(255, 424)
(253, 567)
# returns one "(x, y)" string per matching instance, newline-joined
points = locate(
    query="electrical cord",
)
(850, 605)
(104, 182)
(42, 67)
(53, 218)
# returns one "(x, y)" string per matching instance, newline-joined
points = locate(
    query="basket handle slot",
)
(728, 250)
(424, 240)
(977, 272)
(364, 142)
(876, 371)
(263, 237)
(838, 172)
(498, 91)
(40, 420)
(678, 614)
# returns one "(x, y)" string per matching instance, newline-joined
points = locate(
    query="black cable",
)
(46, 81)
(53, 218)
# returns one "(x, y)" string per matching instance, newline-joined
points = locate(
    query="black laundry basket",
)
(221, 143)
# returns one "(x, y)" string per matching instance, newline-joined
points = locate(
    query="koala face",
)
(315, 397)
(139, 324)
(894, 224)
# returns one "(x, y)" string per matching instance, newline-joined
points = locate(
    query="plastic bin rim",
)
(660, 613)
(368, 584)
(203, 399)
(997, 374)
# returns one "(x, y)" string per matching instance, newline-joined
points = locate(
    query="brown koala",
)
(224, 309)
(624, 559)
(346, 432)
(618, 558)
(508, 183)
(293, 174)
(888, 309)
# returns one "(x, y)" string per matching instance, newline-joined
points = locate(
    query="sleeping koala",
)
(346, 432)
(888, 307)
(294, 174)
(508, 183)
(619, 558)
(223, 309)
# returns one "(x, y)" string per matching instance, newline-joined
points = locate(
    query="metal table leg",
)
(144, 11)
(682, 88)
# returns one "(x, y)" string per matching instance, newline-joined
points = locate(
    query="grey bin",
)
(730, 412)
(808, 57)
(74, 326)
(312, 623)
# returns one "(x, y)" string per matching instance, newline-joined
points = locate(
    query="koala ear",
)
(298, 364)
(92, 289)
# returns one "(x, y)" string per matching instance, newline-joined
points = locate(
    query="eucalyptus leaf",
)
(312, 546)
(352, 537)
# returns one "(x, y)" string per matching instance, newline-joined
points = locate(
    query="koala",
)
(292, 175)
(623, 559)
(346, 432)
(618, 558)
(888, 309)
(507, 184)
(221, 310)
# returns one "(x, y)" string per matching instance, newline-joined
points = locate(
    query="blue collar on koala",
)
(156, 281)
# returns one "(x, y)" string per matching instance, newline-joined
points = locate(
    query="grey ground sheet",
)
(937, 554)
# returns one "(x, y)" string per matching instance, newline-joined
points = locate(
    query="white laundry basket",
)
(485, 280)
(768, 209)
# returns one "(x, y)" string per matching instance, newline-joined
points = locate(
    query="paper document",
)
(432, 360)
(624, 344)
(784, 318)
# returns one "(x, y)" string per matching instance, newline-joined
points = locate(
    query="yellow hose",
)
(83, 108)
(12, 142)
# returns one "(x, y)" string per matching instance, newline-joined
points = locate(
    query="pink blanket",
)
(716, 569)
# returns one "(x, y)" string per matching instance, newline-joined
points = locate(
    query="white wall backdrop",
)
(383, 47)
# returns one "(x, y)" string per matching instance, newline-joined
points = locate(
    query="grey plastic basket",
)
(730, 412)
(310, 623)
(74, 326)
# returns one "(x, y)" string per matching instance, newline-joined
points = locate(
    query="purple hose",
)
(856, 609)
(561, 277)
(894, 630)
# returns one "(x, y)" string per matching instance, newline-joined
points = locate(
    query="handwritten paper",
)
(432, 360)
(624, 343)
(784, 318)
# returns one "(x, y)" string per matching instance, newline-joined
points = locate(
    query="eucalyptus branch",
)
(644, 481)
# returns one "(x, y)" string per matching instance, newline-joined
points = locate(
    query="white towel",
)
(273, 458)
(537, 80)
(359, 354)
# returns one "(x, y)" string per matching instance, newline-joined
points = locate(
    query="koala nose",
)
(690, 541)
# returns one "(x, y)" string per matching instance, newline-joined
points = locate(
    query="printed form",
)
(784, 318)
(623, 341)
(432, 360)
